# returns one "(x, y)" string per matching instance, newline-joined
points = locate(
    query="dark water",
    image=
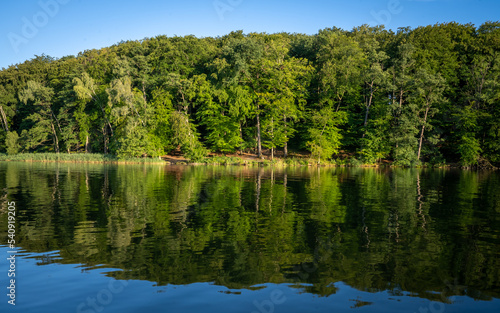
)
(135, 238)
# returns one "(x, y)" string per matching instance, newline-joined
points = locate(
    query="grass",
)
(215, 160)
(74, 157)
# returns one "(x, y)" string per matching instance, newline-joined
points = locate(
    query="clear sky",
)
(66, 27)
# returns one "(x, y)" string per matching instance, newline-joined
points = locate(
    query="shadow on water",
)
(429, 233)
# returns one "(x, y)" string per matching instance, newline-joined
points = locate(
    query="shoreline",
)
(218, 160)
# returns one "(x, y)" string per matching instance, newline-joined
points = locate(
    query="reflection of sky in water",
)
(44, 286)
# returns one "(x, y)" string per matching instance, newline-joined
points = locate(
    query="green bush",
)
(469, 150)
(12, 143)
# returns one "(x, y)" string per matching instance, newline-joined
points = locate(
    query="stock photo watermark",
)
(103, 298)
(384, 17)
(31, 26)
(438, 306)
(224, 6)
(304, 270)
(276, 297)
(11, 259)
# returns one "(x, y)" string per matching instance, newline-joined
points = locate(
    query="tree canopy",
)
(429, 94)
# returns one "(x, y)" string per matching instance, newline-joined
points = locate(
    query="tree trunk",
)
(285, 146)
(422, 132)
(259, 143)
(241, 136)
(105, 139)
(103, 113)
(55, 119)
(4, 119)
(144, 92)
(272, 153)
(369, 105)
(54, 130)
(87, 144)
(368, 109)
(56, 141)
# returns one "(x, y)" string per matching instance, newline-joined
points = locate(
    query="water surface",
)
(120, 238)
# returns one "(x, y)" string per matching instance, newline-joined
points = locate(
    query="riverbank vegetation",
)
(428, 95)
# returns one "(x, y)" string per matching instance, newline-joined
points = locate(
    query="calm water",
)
(135, 238)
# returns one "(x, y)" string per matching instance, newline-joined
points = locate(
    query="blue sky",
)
(66, 27)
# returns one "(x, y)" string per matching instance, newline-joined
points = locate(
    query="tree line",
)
(429, 94)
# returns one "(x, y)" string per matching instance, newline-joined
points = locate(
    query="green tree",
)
(238, 65)
(43, 120)
(7, 106)
(185, 136)
(427, 93)
(340, 62)
(12, 143)
(375, 81)
(404, 111)
(283, 92)
(324, 134)
(469, 149)
(88, 91)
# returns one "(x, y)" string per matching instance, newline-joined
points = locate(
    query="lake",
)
(154, 238)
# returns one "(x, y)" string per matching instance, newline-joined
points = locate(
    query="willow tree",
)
(7, 107)
(129, 114)
(88, 91)
(7, 112)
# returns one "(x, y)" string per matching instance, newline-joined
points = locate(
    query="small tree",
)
(12, 143)
(469, 150)
(324, 134)
(185, 136)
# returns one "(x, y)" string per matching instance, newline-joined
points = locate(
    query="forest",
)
(428, 95)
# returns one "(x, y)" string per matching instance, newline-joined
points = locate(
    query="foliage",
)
(324, 133)
(419, 95)
(12, 143)
(469, 150)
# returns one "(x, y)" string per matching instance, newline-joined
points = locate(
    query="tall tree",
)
(43, 119)
(405, 116)
(339, 61)
(88, 91)
(427, 93)
(238, 66)
(283, 90)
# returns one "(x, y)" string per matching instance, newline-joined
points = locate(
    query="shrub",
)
(12, 143)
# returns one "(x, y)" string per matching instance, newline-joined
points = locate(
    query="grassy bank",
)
(212, 160)
(74, 158)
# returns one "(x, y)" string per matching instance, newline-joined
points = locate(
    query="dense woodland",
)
(429, 94)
